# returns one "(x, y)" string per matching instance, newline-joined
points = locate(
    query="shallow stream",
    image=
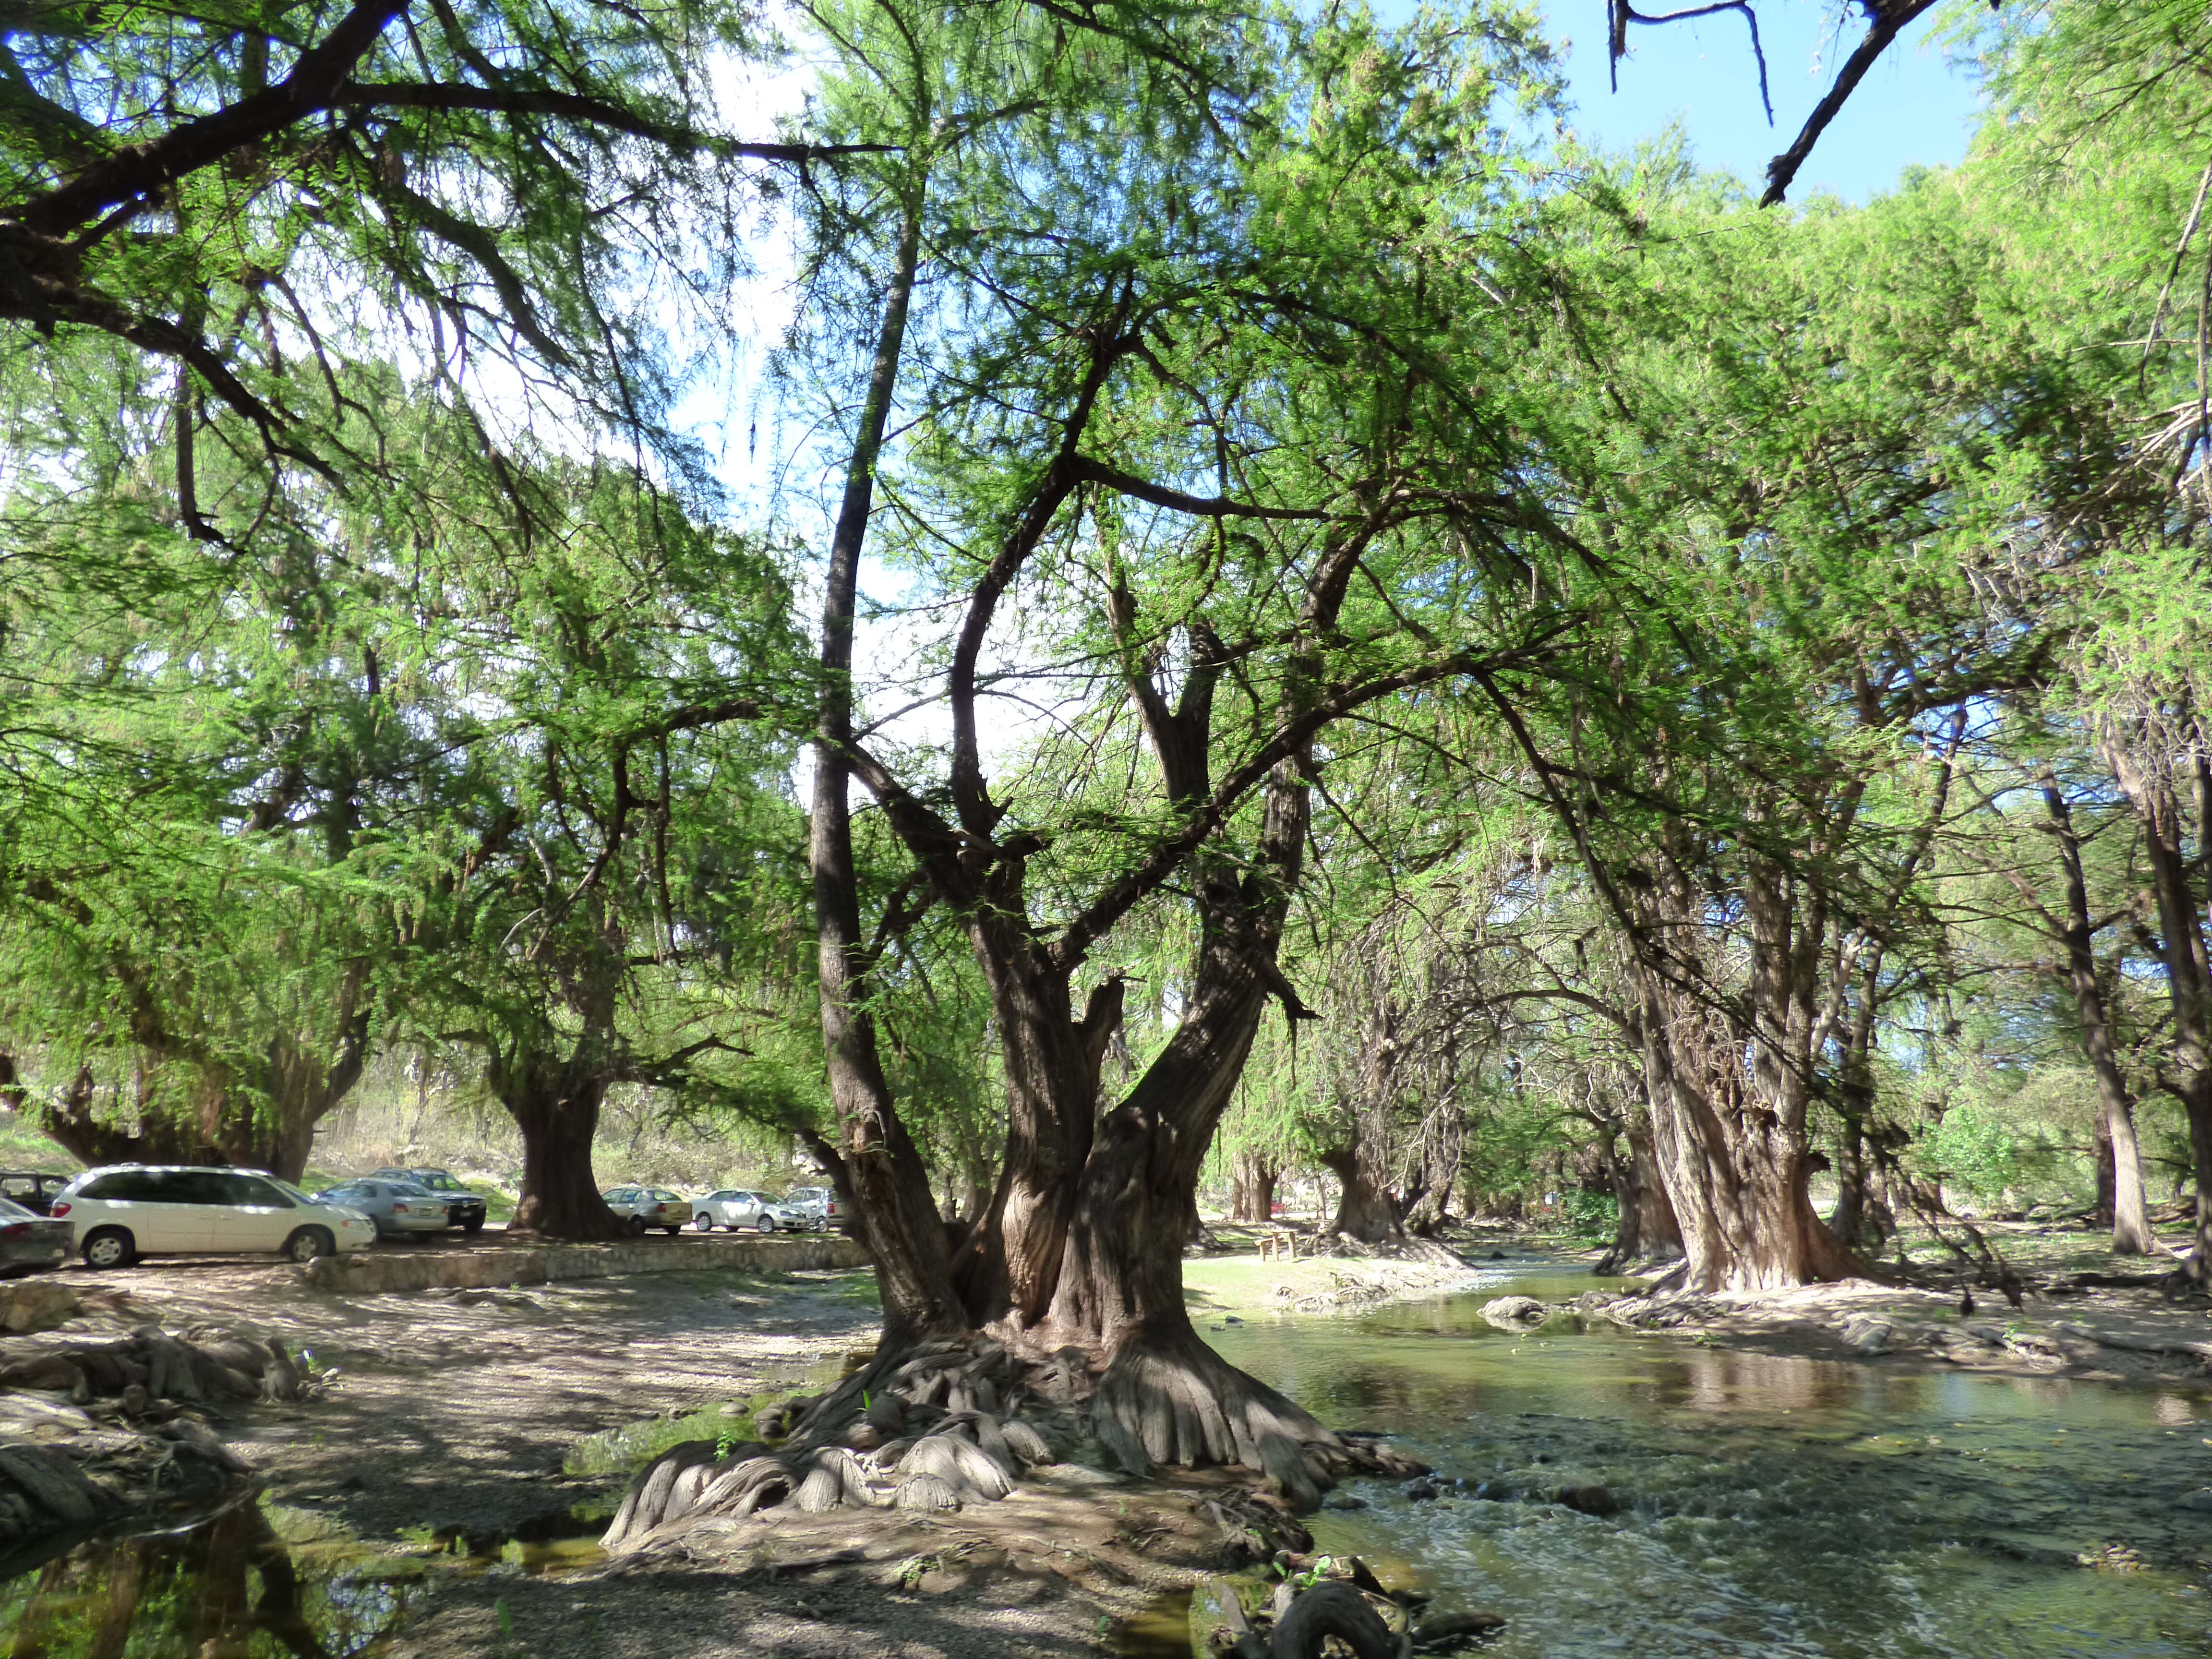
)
(1768, 1505)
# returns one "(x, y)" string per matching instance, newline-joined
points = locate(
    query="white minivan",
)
(127, 1210)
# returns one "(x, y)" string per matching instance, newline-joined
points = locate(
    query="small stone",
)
(1455, 1627)
(2198, 1500)
(1513, 1313)
(1231, 1319)
(1497, 1256)
(1344, 1500)
(733, 1408)
(1418, 1491)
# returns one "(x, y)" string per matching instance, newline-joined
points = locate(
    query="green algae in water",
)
(1772, 1504)
(228, 1586)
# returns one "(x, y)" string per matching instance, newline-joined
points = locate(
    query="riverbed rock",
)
(1513, 1313)
(2199, 1501)
(1440, 1629)
(1344, 1500)
(1418, 1491)
(1866, 1335)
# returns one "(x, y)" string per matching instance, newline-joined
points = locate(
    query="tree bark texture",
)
(2154, 788)
(891, 1186)
(1252, 1177)
(2121, 1202)
(1366, 1208)
(555, 1101)
(1647, 1228)
(1730, 1084)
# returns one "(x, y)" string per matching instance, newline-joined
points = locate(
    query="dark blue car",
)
(29, 1242)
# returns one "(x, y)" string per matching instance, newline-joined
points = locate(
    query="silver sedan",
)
(400, 1209)
(734, 1207)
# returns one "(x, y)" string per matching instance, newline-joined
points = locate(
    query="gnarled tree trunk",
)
(1366, 1208)
(1252, 1177)
(555, 1103)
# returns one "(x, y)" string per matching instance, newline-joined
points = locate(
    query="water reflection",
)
(225, 1587)
(1771, 1504)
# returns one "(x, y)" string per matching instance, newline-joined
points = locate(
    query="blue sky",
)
(1911, 109)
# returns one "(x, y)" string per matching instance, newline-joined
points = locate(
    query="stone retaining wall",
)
(376, 1270)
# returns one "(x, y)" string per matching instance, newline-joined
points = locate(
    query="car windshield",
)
(410, 1188)
(662, 1196)
(289, 1190)
(437, 1181)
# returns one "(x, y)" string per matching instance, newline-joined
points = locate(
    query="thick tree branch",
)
(137, 169)
(1171, 848)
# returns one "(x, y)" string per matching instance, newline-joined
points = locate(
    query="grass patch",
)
(628, 1449)
(22, 1147)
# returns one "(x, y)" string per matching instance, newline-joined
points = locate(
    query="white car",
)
(734, 1207)
(126, 1211)
(648, 1206)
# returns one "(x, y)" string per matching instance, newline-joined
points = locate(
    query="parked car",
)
(464, 1209)
(648, 1206)
(400, 1209)
(820, 1202)
(734, 1207)
(29, 1240)
(34, 1189)
(122, 1211)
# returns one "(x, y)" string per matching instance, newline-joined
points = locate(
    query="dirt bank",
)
(1241, 1284)
(2066, 1325)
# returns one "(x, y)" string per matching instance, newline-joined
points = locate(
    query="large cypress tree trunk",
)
(1730, 1093)
(1366, 1208)
(555, 1102)
(1252, 1177)
(1165, 1396)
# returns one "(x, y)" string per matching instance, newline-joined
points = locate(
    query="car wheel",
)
(703, 1222)
(306, 1244)
(671, 1232)
(637, 1226)
(766, 1223)
(109, 1247)
(473, 1225)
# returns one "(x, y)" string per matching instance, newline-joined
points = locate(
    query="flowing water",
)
(1769, 1505)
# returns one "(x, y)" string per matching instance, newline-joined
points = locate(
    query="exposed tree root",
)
(1334, 1608)
(929, 1428)
(947, 1424)
(150, 1366)
(1176, 1401)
